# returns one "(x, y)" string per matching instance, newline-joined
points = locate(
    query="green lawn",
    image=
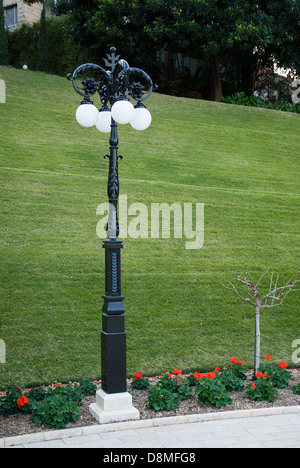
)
(242, 163)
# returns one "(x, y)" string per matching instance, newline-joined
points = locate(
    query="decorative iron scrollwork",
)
(114, 83)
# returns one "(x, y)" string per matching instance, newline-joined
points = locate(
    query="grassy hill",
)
(242, 163)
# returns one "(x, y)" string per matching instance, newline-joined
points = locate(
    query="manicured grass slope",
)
(242, 163)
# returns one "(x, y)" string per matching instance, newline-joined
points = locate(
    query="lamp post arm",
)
(90, 86)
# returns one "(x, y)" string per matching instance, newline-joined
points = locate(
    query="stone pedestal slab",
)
(113, 407)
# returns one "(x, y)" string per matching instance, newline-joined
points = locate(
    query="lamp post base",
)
(113, 407)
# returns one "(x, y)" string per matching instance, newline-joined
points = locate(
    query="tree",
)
(42, 60)
(281, 41)
(269, 300)
(3, 39)
(244, 33)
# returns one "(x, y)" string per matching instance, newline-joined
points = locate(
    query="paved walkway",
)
(269, 428)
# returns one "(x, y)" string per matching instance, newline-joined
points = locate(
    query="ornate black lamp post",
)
(114, 87)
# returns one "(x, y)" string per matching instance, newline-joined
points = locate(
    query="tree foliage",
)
(3, 38)
(248, 35)
(42, 60)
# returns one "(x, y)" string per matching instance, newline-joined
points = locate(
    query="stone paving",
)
(269, 428)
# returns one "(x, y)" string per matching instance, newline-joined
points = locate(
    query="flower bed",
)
(213, 388)
(166, 395)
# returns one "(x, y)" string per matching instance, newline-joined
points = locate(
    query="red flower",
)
(236, 361)
(283, 365)
(217, 369)
(253, 385)
(261, 375)
(198, 376)
(138, 375)
(178, 380)
(170, 376)
(58, 384)
(22, 401)
(268, 356)
(177, 372)
(210, 375)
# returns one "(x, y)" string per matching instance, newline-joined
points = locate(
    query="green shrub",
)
(261, 390)
(279, 377)
(231, 381)
(242, 99)
(71, 392)
(56, 411)
(37, 393)
(296, 389)
(238, 369)
(169, 391)
(176, 384)
(63, 54)
(87, 387)
(162, 399)
(139, 382)
(53, 408)
(15, 401)
(212, 392)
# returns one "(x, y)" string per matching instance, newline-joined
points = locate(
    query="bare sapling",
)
(258, 300)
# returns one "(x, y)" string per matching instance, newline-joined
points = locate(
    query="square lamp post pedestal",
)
(113, 402)
(113, 407)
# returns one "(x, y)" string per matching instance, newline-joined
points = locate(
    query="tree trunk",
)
(247, 77)
(257, 340)
(216, 85)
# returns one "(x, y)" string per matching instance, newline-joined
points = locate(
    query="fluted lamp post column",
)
(115, 85)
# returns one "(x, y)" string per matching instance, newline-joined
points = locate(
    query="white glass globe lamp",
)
(141, 118)
(87, 115)
(104, 121)
(122, 111)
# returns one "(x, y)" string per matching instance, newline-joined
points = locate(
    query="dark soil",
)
(22, 424)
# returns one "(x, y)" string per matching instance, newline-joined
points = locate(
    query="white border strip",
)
(121, 426)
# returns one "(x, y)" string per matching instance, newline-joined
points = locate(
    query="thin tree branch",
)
(270, 306)
(262, 276)
(281, 289)
(233, 288)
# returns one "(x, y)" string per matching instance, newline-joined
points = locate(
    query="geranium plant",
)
(296, 389)
(212, 391)
(162, 399)
(238, 368)
(169, 390)
(262, 388)
(278, 374)
(15, 401)
(53, 407)
(56, 411)
(231, 381)
(139, 382)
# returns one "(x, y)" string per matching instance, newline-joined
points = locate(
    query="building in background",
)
(16, 13)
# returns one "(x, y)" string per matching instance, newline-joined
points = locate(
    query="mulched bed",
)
(21, 424)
